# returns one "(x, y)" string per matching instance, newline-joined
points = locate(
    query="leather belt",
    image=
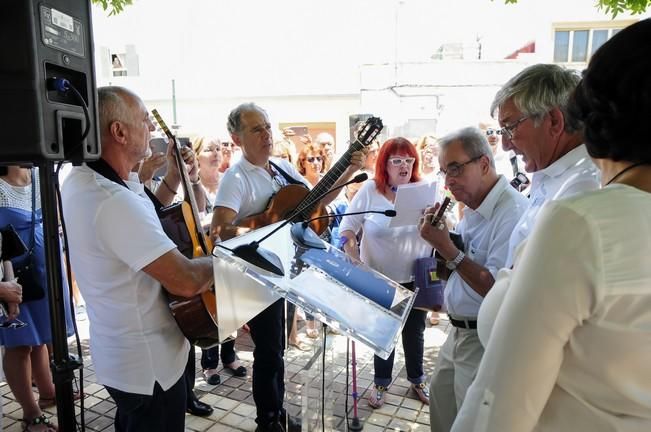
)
(466, 324)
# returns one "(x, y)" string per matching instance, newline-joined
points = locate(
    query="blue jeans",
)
(163, 411)
(413, 343)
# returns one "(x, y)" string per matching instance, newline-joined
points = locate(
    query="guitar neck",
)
(185, 179)
(326, 183)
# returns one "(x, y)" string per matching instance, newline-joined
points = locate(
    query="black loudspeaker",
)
(43, 40)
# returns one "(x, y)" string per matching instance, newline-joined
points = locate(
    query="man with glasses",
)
(245, 190)
(532, 110)
(493, 208)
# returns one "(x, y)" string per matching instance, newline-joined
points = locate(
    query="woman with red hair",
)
(392, 252)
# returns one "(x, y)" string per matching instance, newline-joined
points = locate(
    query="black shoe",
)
(293, 424)
(270, 427)
(198, 408)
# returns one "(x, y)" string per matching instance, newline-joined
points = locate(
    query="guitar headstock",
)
(446, 205)
(369, 131)
(162, 124)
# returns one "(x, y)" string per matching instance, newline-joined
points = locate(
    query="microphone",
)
(308, 239)
(266, 259)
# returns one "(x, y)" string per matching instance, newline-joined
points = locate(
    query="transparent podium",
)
(337, 290)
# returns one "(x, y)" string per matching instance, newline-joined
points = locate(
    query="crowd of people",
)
(547, 290)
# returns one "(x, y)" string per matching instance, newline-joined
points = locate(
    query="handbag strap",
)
(32, 239)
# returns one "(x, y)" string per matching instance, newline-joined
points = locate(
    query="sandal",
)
(422, 392)
(376, 398)
(40, 420)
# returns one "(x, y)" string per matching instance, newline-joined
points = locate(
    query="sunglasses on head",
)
(491, 132)
(311, 159)
(396, 161)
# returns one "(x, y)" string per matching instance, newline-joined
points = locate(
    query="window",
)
(118, 65)
(577, 42)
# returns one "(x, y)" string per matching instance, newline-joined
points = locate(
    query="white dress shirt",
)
(571, 341)
(574, 172)
(485, 232)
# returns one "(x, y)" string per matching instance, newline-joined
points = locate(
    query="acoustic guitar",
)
(294, 197)
(196, 316)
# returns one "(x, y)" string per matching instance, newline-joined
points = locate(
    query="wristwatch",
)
(452, 265)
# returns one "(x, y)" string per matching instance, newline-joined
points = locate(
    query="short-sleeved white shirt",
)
(113, 233)
(246, 188)
(485, 232)
(391, 251)
(574, 172)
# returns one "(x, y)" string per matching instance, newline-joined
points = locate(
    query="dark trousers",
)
(413, 344)
(164, 411)
(210, 357)
(267, 332)
(189, 376)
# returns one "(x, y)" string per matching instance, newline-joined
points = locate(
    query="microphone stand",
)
(308, 239)
(267, 260)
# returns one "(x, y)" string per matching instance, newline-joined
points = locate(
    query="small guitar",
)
(441, 270)
(196, 316)
(297, 198)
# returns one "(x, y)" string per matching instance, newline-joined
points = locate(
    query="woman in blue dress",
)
(26, 356)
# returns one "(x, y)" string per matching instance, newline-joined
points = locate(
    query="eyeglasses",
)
(491, 132)
(508, 130)
(456, 169)
(311, 159)
(399, 161)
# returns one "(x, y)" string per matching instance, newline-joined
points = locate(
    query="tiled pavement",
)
(233, 405)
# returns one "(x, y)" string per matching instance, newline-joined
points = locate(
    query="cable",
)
(323, 365)
(57, 190)
(62, 86)
(347, 382)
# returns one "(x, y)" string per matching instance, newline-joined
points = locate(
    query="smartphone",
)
(159, 145)
(299, 130)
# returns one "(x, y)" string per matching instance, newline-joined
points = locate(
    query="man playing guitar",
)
(245, 190)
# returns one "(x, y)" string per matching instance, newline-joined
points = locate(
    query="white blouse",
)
(391, 251)
(571, 344)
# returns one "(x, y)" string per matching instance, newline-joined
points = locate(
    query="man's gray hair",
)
(473, 141)
(538, 89)
(234, 123)
(112, 106)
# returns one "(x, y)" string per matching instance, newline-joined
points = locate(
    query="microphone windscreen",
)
(390, 213)
(360, 178)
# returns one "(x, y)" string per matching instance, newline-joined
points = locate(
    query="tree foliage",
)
(116, 6)
(612, 7)
(615, 7)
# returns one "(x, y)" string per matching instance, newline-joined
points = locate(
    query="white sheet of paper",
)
(411, 200)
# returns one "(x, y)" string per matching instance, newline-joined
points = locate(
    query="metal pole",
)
(62, 366)
(173, 102)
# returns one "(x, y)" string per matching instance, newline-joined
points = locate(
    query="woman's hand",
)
(150, 165)
(11, 291)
